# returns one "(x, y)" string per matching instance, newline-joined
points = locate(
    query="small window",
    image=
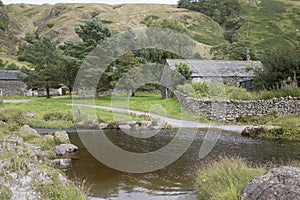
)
(0, 92)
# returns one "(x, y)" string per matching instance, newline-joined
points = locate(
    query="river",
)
(177, 181)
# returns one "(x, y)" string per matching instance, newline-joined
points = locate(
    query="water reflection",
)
(175, 181)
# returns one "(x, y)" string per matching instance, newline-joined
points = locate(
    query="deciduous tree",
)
(279, 64)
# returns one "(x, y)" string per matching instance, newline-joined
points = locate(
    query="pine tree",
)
(43, 56)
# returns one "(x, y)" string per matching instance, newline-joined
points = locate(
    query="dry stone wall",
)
(231, 110)
(12, 88)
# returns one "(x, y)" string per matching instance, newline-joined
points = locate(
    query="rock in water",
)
(278, 184)
(65, 148)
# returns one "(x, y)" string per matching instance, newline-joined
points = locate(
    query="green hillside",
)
(265, 23)
(270, 23)
(59, 20)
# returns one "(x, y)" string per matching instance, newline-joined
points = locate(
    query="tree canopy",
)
(280, 64)
(43, 55)
(91, 32)
(184, 69)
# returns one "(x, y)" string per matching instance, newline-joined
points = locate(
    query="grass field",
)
(48, 113)
(57, 113)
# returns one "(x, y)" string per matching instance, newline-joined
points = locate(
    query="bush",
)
(201, 90)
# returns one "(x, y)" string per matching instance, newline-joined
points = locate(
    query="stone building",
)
(232, 73)
(10, 84)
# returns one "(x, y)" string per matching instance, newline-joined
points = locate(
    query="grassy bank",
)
(226, 178)
(56, 113)
(289, 126)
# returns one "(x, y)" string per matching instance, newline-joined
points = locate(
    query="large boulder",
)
(278, 184)
(28, 130)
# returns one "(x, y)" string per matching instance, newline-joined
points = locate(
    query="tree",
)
(127, 73)
(184, 69)
(92, 32)
(43, 55)
(235, 51)
(71, 58)
(219, 10)
(1, 4)
(153, 55)
(278, 65)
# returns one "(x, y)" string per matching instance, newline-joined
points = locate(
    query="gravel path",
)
(176, 123)
(17, 101)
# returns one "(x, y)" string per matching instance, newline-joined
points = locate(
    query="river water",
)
(177, 181)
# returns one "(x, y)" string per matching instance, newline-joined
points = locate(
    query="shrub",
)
(201, 90)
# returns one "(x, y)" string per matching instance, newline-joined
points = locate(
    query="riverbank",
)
(57, 113)
(226, 177)
(27, 168)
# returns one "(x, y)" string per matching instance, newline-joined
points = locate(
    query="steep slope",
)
(59, 20)
(8, 32)
(270, 23)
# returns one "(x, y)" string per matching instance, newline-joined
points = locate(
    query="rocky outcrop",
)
(278, 184)
(23, 169)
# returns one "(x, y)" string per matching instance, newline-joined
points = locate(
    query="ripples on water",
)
(175, 182)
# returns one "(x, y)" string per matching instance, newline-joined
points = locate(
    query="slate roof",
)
(10, 74)
(218, 68)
